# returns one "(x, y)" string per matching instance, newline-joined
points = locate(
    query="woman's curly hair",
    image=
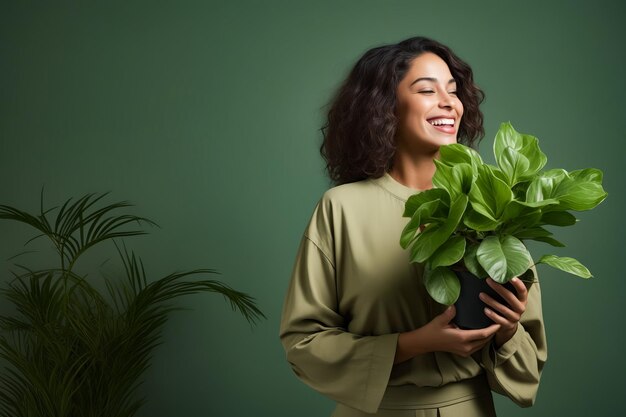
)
(359, 134)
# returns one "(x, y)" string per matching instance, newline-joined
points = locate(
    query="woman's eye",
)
(426, 91)
(452, 93)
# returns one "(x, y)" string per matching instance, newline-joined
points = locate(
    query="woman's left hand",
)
(509, 316)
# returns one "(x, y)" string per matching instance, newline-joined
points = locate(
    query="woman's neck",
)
(414, 171)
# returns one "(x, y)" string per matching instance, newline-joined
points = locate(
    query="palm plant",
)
(71, 349)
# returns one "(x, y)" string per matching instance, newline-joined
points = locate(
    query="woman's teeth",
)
(439, 122)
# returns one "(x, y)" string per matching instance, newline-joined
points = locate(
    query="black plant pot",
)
(470, 312)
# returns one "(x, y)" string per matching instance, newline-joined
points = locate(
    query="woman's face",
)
(429, 111)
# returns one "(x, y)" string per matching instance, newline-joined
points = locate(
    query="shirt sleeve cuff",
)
(504, 352)
(383, 356)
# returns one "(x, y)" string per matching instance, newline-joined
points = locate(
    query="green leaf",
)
(471, 262)
(435, 235)
(526, 145)
(479, 222)
(489, 195)
(580, 192)
(587, 174)
(455, 179)
(536, 159)
(442, 285)
(524, 214)
(449, 253)
(503, 257)
(544, 186)
(422, 215)
(566, 264)
(457, 153)
(513, 164)
(549, 240)
(558, 218)
(416, 200)
(532, 233)
(506, 136)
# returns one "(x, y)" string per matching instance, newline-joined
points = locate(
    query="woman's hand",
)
(440, 335)
(509, 316)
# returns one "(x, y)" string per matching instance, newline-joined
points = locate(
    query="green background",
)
(206, 115)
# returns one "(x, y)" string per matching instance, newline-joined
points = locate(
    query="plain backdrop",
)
(206, 116)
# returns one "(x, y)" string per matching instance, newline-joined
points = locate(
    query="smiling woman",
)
(357, 323)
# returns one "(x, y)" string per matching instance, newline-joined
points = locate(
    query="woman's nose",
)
(445, 100)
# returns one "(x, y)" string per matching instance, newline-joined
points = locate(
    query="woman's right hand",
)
(440, 335)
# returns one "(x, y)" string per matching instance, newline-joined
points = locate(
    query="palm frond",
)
(72, 351)
(79, 225)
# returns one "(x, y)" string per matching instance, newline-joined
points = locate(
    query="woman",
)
(357, 323)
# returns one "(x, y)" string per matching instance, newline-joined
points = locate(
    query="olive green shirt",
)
(353, 290)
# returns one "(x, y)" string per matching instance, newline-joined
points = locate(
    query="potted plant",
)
(476, 218)
(72, 349)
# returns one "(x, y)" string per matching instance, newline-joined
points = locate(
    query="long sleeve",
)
(349, 368)
(515, 368)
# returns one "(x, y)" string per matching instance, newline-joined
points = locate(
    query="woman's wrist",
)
(409, 346)
(504, 336)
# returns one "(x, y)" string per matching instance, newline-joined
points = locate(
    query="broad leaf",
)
(524, 214)
(435, 235)
(503, 257)
(526, 145)
(536, 158)
(506, 136)
(489, 195)
(449, 253)
(416, 200)
(580, 196)
(442, 285)
(422, 215)
(479, 222)
(533, 232)
(471, 262)
(544, 186)
(456, 153)
(587, 174)
(579, 192)
(455, 179)
(549, 240)
(513, 164)
(566, 264)
(558, 218)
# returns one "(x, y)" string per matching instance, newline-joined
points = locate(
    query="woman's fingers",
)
(504, 310)
(466, 342)
(480, 334)
(507, 316)
(520, 287)
(505, 293)
(504, 322)
(515, 302)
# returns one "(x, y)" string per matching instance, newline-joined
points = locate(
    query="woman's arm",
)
(349, 368)
(515, 360)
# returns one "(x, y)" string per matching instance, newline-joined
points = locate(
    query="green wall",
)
(206, 116)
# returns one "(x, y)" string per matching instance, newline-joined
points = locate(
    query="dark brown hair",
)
(359, 134)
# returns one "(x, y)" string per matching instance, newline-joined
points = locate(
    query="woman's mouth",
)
(443, 124)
